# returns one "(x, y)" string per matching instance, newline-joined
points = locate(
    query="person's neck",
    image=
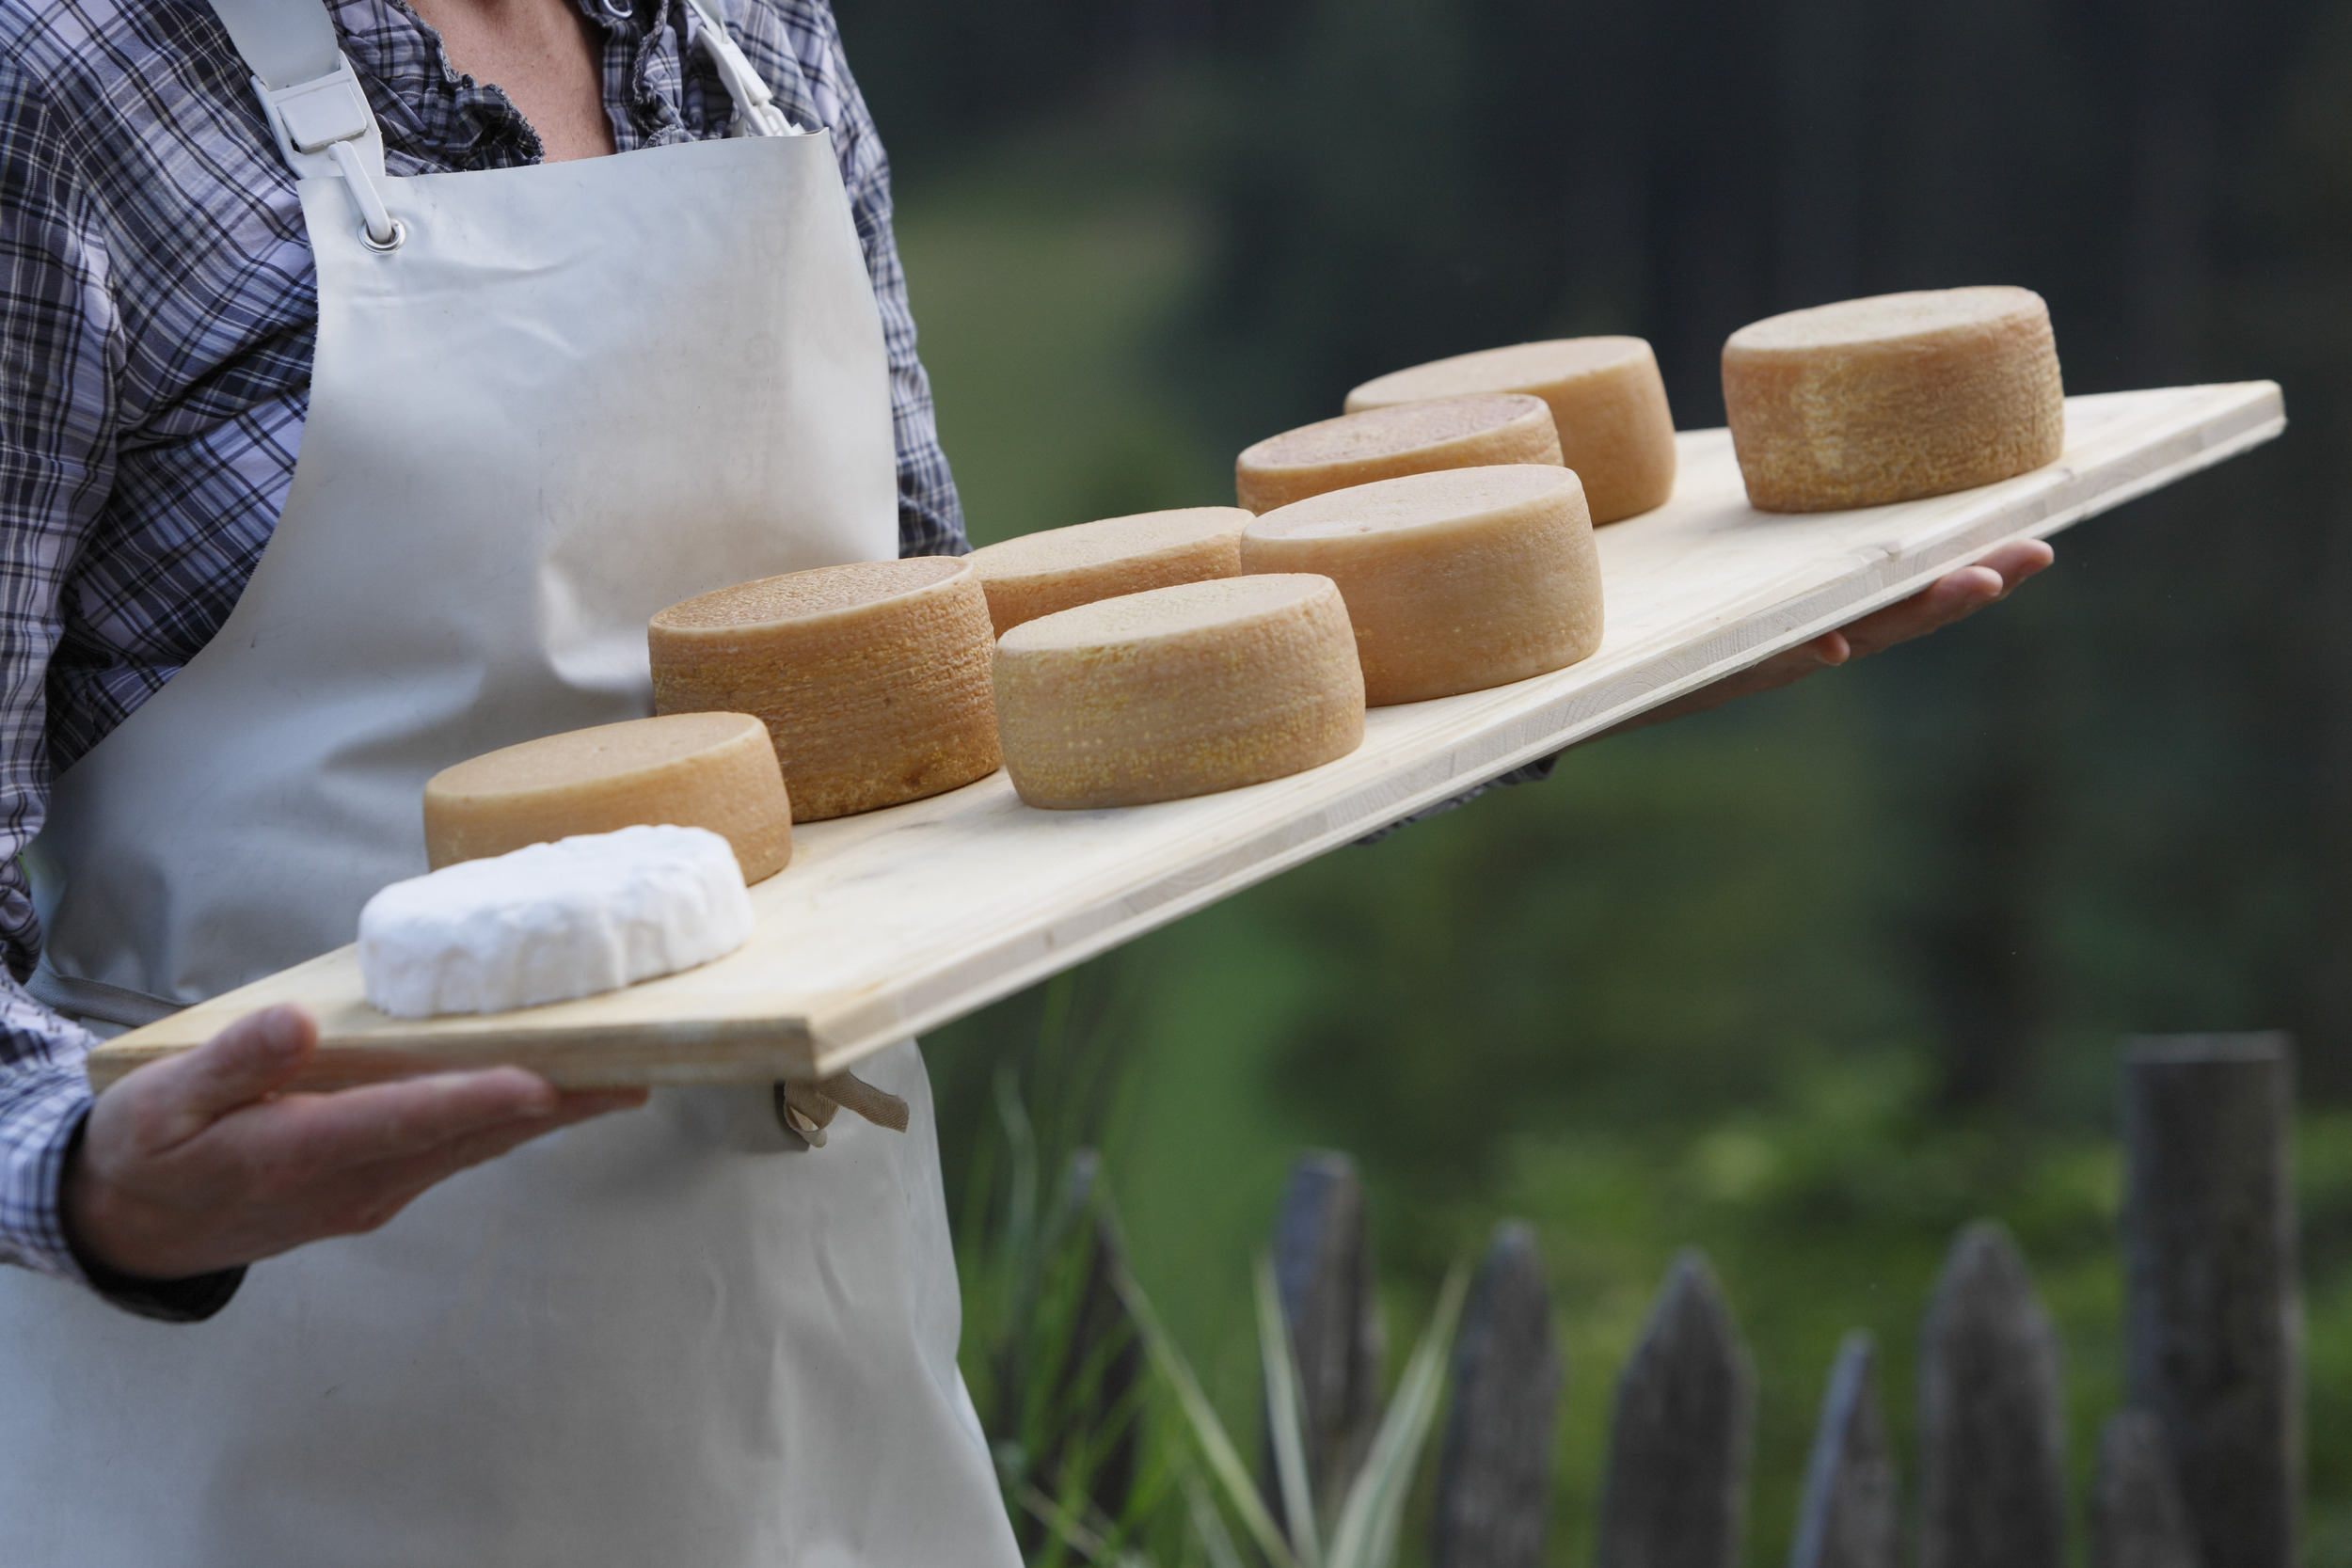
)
(542, 54)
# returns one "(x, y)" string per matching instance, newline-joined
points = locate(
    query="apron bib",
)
(565, 397)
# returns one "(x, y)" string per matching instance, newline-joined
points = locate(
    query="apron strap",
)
(313, 102)
(283, 42)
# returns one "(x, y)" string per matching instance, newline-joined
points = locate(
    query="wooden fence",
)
(2201, 1469)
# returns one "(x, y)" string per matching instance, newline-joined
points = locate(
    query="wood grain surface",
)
(892, 922)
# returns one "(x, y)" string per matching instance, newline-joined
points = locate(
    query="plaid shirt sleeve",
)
(59, 341)
(57, 458)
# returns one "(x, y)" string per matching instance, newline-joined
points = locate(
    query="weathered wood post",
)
(2213, 1324)
(2136, 1520)
(1494, 1473)
(1849, 1517)
(1991, 1437)
(1322, 1270)
(1676, 1490)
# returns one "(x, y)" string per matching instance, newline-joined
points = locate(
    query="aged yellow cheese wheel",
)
(1179, 692)
(1893, 397)
(1062, 569)
(1608, 403)
(1386, 443)
(714, 770)
(872, 678)
(1455, 581)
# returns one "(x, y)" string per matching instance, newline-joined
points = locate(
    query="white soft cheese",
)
(553, 921)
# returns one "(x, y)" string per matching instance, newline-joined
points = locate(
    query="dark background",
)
(1887, 927)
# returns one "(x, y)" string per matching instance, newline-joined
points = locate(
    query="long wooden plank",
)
(892, 922)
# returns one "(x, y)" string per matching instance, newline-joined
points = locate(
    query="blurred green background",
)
(1810, 981)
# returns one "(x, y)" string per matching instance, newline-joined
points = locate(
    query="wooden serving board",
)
(889, 924)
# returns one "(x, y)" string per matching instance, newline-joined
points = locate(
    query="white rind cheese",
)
(554, 921)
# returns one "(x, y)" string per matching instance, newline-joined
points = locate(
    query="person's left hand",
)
(1950, 599)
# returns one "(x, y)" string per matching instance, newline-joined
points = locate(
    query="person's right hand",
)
(199, 1162)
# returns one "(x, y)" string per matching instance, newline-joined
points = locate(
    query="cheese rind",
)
(1387, 443)
(1455, 581)
(872, 679)
(551, 922)
(1179, 692)
(1893, 398)
(1608, 403)
(1061, 568)
(714, 770)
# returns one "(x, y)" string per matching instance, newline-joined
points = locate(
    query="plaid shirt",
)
(157, 313)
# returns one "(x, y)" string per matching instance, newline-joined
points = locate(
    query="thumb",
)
(253, 1057)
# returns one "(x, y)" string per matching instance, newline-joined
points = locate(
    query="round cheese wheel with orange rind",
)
(1455, 581)
(871, 678)
(1388, 443)
(1893, 398)
(1608, 405)
(1061, 568)
(1179, 692)
(713, 771)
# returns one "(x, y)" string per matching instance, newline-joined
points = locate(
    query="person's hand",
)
(199, 1162)
(1952, 597)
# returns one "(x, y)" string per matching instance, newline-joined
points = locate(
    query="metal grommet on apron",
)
(547, 401)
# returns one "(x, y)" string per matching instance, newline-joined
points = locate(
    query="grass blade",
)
(1208, 1524)
(1367, 1531)
(1215, 1447)
(1286, 1419)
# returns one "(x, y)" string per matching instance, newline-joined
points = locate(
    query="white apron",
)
(571, 394)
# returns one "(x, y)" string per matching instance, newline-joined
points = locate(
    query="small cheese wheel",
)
(1179, 692)
(714, 770)
(1455, 581)
(871, 678)
(1608, 403)
(1061, 568)
(1893, 397)
(1384, 443)
(551, 922)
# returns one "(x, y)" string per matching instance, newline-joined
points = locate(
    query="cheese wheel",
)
(1455, 581)
(1061, 568)
(1608, 403)
(714, 770)
(1893, 397)
(550, 922)
(1384, 443)
(1179, 692)
(871, 678)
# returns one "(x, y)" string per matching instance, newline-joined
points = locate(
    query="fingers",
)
(389, 1121)
(2019, 560)
(252, 1058)
(1952, 597)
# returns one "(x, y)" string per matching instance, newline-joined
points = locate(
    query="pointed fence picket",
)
(1676, 1496)
(1494, 1473)
(1323, 1270)
(1849, 1514)
(1991, 1429)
